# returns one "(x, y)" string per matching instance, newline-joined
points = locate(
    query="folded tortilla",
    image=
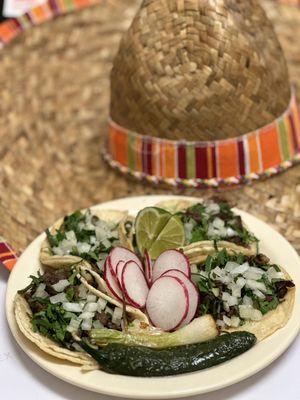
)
(56, 261)
(274, 319)
(23, 316)
(105, 294)
(198, 251)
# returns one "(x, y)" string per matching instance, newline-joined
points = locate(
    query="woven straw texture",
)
(54, 83)
(199, 70)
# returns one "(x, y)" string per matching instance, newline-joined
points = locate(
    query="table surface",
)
(280, 379)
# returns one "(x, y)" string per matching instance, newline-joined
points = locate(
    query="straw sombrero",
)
(55, 95)
(200, 94)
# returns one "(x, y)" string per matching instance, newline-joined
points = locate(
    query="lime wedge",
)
(172, 236)
(148, 224)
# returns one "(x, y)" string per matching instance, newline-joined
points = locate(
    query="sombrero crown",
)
(199, 70)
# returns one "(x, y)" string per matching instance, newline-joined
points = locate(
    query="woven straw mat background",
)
(54, 82)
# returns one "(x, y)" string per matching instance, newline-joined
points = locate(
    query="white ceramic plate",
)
(260, 356)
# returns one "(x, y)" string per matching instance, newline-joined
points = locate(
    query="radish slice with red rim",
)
(171, 259)
(167, 303)
(193, 294)
(119, 271)
(134, 284)
(148, 267)
(111, 280)
(121, 254)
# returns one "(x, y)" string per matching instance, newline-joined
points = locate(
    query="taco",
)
(211, 223)
(62, 305)
(245, 293)
(84, 235)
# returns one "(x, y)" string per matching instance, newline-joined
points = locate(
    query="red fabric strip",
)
(7, 257)
(182, 167)
(241, 153)
(144, 154)
(294, 133)
(149, 157)
(54, 6)
(4, 248)
(201, 162)
(214, 160)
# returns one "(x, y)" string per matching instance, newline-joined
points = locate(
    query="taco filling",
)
(85, 235)
(215, 220)
(62, 306)
(235, 288)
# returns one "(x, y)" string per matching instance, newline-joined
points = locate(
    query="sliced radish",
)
(111, 280)
(121, 254)
(119, 271)
(134, 284)
(171, 259)
(148, 267)
(167, 303)
(193, 294)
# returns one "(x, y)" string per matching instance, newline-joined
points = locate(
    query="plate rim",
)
(129, 392)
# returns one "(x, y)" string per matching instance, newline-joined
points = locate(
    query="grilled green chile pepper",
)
(147, 362)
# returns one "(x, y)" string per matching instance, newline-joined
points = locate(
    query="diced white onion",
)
(248, 312)
(247, 301)
(40, 291)
(253, 285)
(91, 298)
(101, 233)
(91, 307)
(240, 282)
(117, 315)
(235, 321)
(61, 285)
(73, 325)
(59, 298)
(230, 300)
(218, 223)
(93, 240)
(70, 235)
(101, 304)
(204, 273)
(188, 228)
(217, 271)
(86, 315)
(231, 232)
(98, 325)
(57, 251)
(273, 274)
(235, 290)
(225, 279)
(87, 324)
(227, 320)
(259, 294)
(240, 270)
(106, 243)
(83, 247)
(230, 265)
(72, 307)
(216, 291)
(212, 208)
